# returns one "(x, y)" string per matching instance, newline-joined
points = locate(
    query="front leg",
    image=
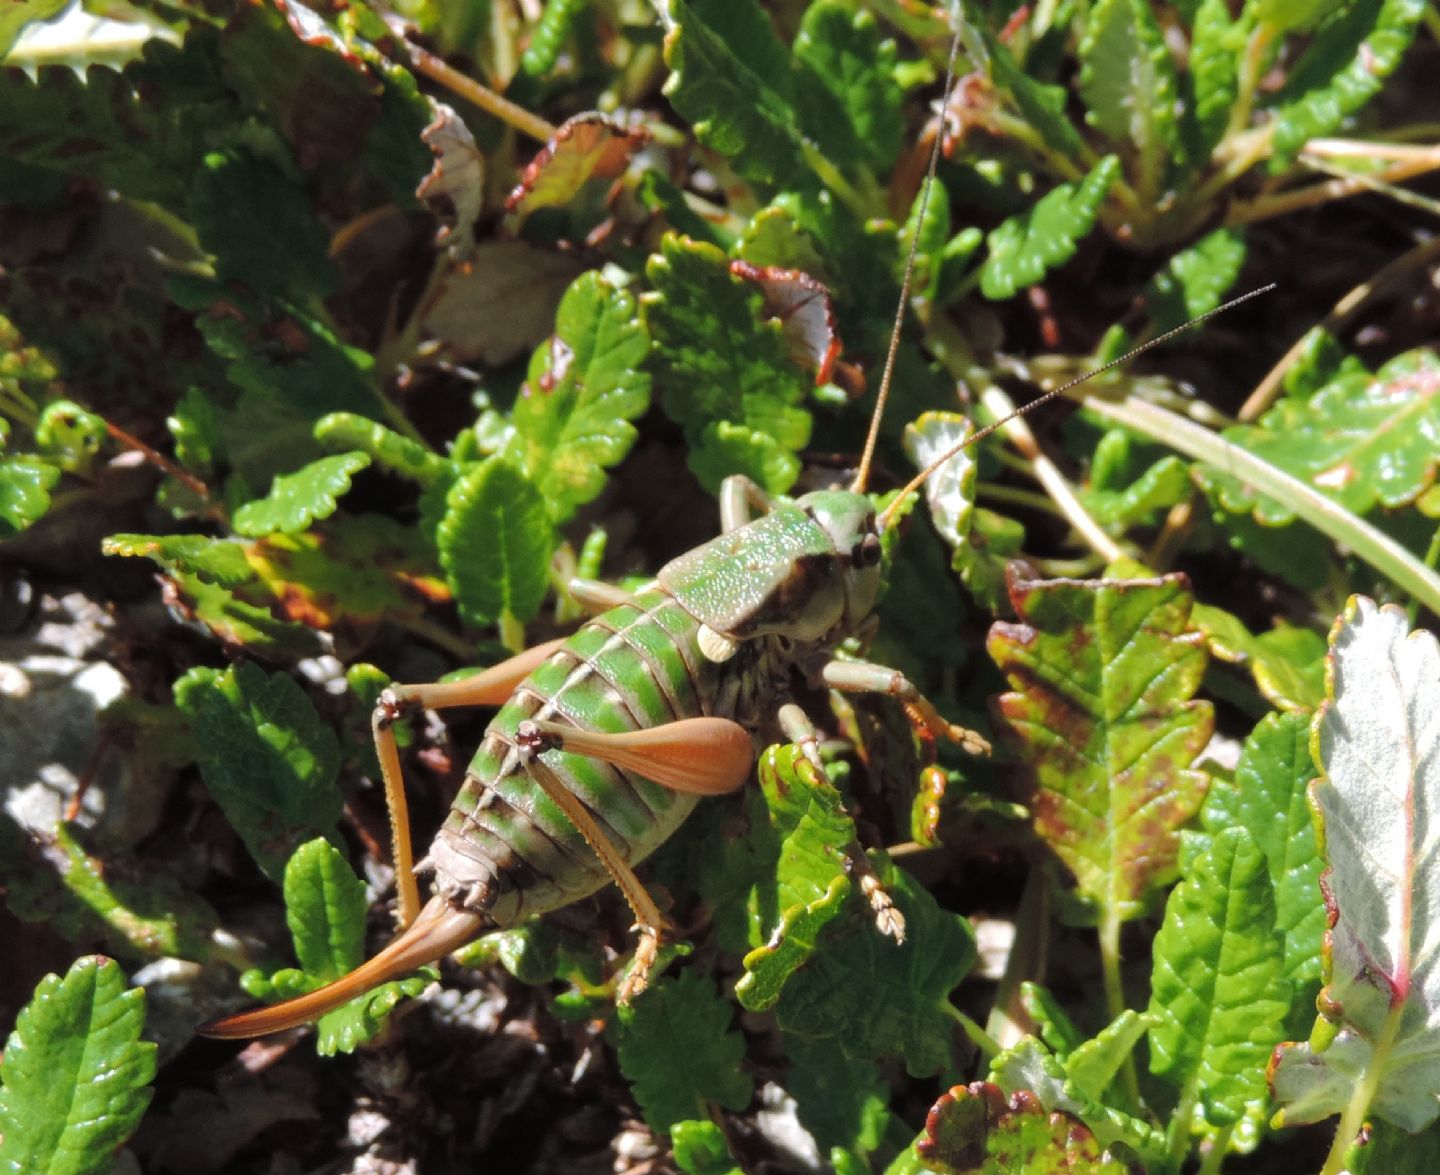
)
(864, 677)
(738, 497)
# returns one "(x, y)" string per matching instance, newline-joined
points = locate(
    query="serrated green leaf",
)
(1057, 1030)
(810, 885)
(1217, 46)
(25, 485)
(730, 79)
(1347, 62)
(1195, 279)
(385, 447)
(679, 1053)
(1128, 82)
(845, 55)
(1268, 799)
(876, 997)
(1104, 722)
(495, 543)
(100, 127)
(723, 368)
(212, 560)
(75, 1076)
(266, 757)
(584, 387)
(1140, 502)
(1363, 439)
(1027, 246)
(700, 1149)
(300, 499)
(1378, 743)
(1217, 992)
(325, 909)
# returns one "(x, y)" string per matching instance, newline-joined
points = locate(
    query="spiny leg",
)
(800, 730)
(698, 756)
(865, 677)
(490, 687)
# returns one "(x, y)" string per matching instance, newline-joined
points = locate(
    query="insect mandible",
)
(605, 740)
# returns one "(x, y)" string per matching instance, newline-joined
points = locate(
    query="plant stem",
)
(981, 1039)
(481, 95)
(1326, 515)
(1109, 934)
(1361, 1097)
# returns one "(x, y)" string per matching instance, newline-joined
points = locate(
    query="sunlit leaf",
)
(265, 756)
(1027, 246)
(1377, 740)
(1106, 727)
(75, 1076)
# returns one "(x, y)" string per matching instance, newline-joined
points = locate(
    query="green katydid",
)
(607, 739)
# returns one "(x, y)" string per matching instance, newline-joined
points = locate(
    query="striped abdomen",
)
(506, 850)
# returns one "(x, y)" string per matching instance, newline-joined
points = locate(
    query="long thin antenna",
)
(919, 479)
(862, 475)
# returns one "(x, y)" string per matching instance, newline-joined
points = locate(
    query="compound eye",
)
(867, 551)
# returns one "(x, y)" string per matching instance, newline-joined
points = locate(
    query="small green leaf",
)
(495, 544)
(75, 1076)
(1027, 246)
(1349, 58)
(266, 757)
(325, 909)
(1057, 1030)
(69, 436)
(1217, 994)
(1128, 82)
(584, 387)
(213, 560)
(386, 448)
(1103, 719)
(25, 485)
(723, 367)
(700, 1149)
(236, 621)
(730, 78)
(1217, 47)
(1195, 279)
(299, 499)
(679, 1053)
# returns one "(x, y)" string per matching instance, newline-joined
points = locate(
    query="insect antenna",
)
(862, 475)
(887, 516)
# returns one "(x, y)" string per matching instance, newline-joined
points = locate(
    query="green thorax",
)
(798, 571)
